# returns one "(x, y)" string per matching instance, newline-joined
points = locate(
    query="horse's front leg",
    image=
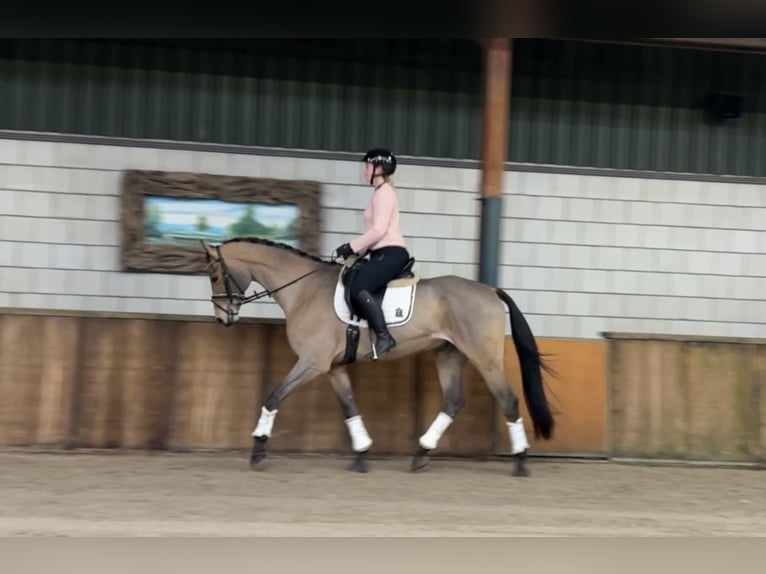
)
(360, 439)
(302, 372)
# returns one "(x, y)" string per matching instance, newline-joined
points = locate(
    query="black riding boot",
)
(374, 316)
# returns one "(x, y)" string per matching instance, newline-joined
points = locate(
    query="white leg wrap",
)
(265, 422)
(431, 437)
(360, 440)
(518, 436)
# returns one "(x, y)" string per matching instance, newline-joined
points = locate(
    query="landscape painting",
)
(166, 214)
(179, 221)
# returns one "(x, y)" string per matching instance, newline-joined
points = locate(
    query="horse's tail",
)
(530, 362)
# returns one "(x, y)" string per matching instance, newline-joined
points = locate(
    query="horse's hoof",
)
(359, 466)
(256, 459)
(420, 460)
(259, 452)
(359, 463)
(520, 469)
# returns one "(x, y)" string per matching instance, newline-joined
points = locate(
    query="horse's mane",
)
(279, 245)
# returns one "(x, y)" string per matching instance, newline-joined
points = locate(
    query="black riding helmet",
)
(383, 158)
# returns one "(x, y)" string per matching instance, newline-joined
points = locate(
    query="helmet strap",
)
(374, 175)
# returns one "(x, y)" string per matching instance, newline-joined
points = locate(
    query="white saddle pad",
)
(398, 304)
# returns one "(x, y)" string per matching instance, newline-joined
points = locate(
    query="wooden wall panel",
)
(135, 382)
(577, 395)
(20, 375)
(627, 411)
(153, 383)
(759, 401)
(668, 392)
(37, 360)
(648, 405)
(146, 380)
(217, 387)
(97, 412)
(123, 383)
(720, 388)
(58, 345)
(688, 399)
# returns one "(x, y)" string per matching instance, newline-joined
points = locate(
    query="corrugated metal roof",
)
(635, 107)
(573, 103)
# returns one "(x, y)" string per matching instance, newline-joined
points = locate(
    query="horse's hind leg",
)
(495, 379)
(449, 364)
(360, 439)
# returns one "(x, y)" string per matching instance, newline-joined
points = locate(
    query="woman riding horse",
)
(382, 241)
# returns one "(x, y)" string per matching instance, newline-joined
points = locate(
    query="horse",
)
(462, 320)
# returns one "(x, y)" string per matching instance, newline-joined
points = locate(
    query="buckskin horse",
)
(461, 319)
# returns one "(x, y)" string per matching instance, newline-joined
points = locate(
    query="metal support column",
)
(496, 111)
(497, 87)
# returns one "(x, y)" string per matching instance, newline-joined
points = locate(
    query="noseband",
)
(239, 296)
(231, 296)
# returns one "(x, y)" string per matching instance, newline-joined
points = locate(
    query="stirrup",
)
(374, 353)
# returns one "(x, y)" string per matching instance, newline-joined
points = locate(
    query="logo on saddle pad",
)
(398, 302)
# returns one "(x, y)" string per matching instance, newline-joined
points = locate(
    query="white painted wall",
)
(581, 254)
(592, 253)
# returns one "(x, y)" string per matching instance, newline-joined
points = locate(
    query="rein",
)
(228, 280)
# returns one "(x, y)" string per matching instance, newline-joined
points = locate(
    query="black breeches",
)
(384, 265)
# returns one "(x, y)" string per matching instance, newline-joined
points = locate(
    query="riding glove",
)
(344, 251)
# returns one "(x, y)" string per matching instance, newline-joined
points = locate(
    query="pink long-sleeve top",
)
(381, 221)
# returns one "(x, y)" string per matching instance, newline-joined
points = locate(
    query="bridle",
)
(239, 296)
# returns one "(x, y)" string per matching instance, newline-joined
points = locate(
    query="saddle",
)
(352, 266)
(400, 301)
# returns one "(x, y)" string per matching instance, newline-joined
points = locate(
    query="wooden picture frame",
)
(183, 254)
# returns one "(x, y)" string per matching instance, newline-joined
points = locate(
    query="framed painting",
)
(165, 214)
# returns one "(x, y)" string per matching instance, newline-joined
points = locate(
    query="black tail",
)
(531, 362)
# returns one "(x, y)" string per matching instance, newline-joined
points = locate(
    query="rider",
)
(382, 241)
